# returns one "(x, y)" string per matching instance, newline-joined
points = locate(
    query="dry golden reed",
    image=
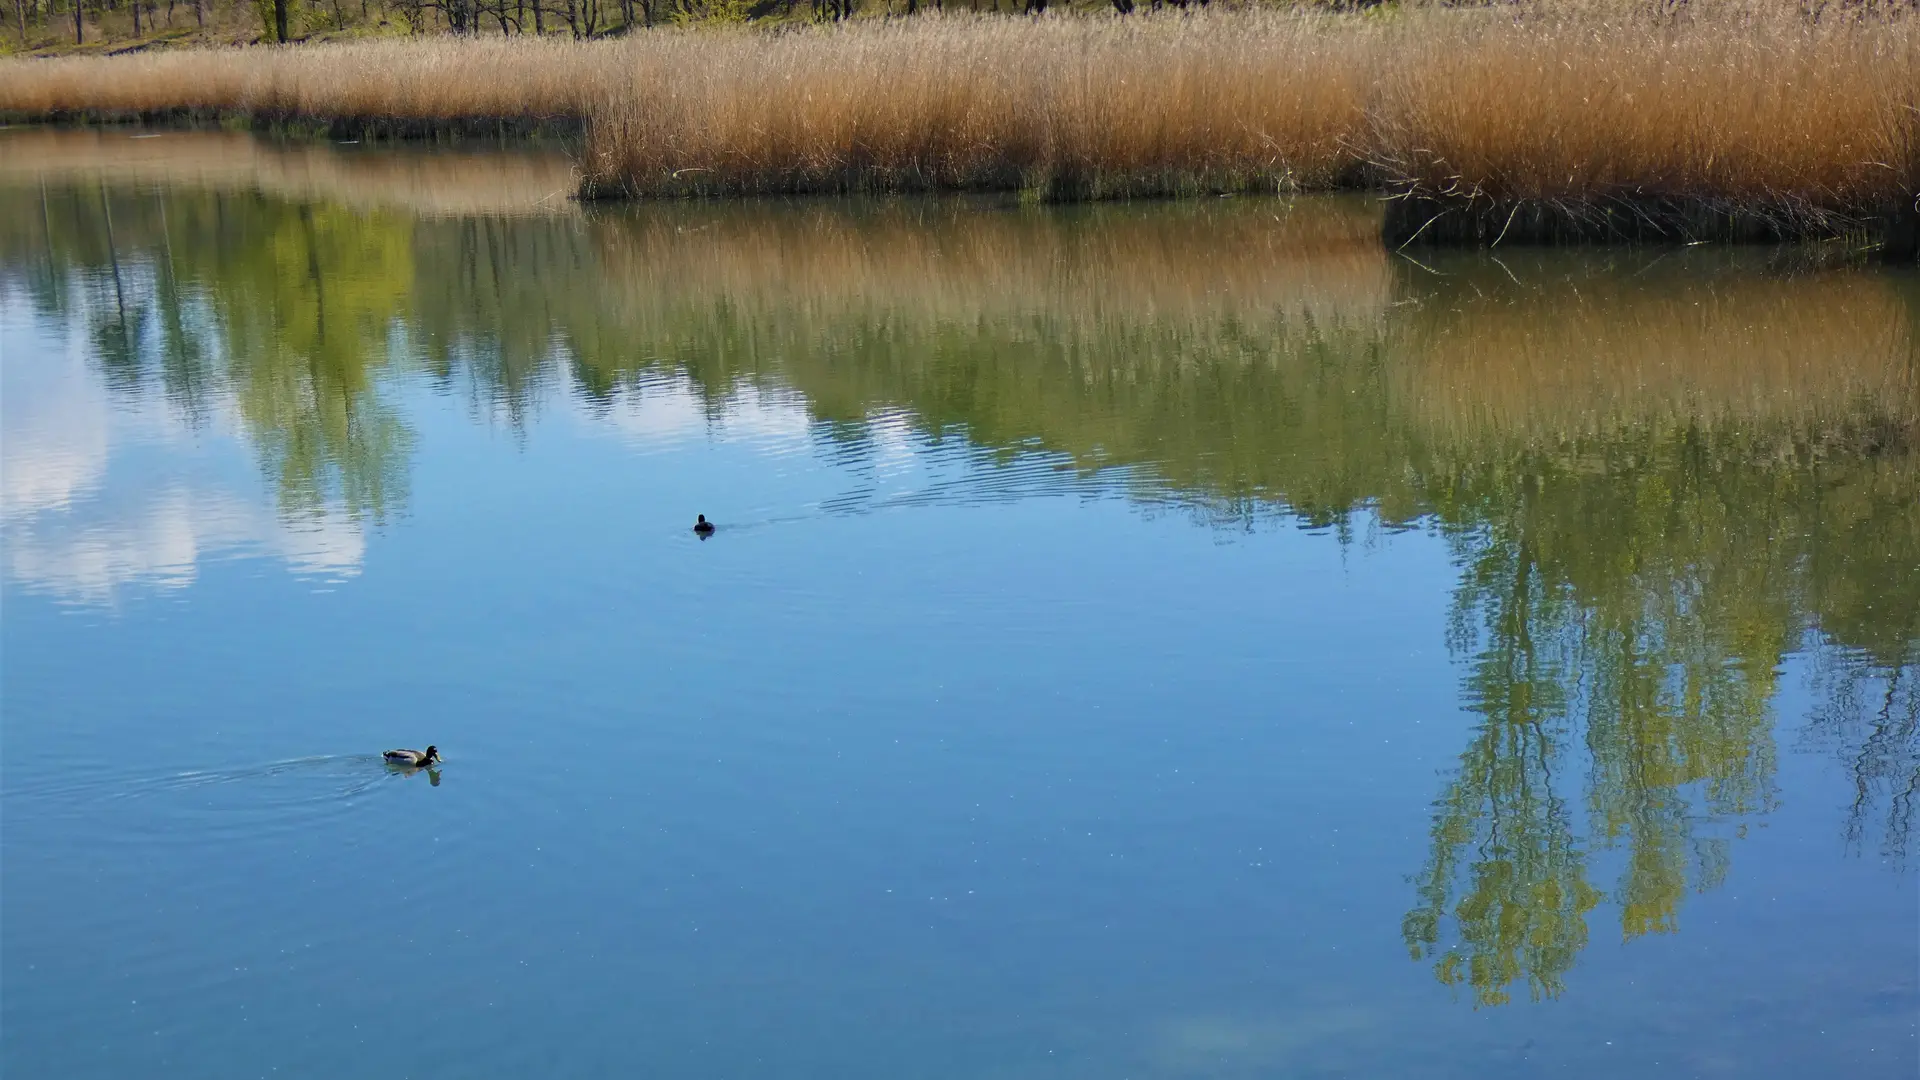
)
(1088, 107)
(1748, 101)
(433, 79)
(1752, 102)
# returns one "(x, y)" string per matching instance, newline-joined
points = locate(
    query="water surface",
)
(1149, 640)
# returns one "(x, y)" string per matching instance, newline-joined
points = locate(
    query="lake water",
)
(1168, 640)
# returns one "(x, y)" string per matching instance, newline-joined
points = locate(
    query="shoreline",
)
(1734, 121)
(292, 125)
(1409, 220)
(1437, 222)
(306, 126)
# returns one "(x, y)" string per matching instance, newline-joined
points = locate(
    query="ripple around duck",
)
(267, 798)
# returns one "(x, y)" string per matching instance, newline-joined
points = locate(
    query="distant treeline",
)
(43, 25)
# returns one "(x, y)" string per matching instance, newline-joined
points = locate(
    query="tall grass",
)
(1754, 103)
(1082, 107)
(1746, 105)
(422, 80)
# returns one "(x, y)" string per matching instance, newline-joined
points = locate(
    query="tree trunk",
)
(280, 21)
(79, 38)
(136, 17)
(539, 24)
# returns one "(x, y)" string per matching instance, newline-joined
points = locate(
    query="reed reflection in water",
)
(1659, 474)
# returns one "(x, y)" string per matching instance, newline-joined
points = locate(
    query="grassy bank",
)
(1725, 119)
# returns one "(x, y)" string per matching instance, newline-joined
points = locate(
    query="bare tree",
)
(583, 17)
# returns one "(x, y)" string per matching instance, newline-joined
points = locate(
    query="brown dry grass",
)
(1747, 100)
(1090, 107)
(1752, 101)
(409, 80)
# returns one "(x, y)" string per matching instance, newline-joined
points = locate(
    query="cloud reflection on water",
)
(77, 527)
(1646, 520)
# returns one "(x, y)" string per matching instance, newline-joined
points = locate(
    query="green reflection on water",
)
(1658, 473)
(288, 308)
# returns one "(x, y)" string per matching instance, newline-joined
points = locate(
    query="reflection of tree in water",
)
(1502, 833)
(1636, 607)
(1642, 535)
(286, 309)
(1869, 717)
(487, 303)
(1867, 683)
(306, 329)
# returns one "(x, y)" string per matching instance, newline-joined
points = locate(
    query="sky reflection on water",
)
(1134, 633)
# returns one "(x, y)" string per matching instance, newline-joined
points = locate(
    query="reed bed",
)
(426, 82)
(1750, 105)
(1545, 113)
(1083, 108)
(1745, 109)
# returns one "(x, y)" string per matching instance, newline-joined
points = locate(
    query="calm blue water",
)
(1158, 657)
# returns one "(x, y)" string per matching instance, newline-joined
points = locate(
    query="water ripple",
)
(251, 800)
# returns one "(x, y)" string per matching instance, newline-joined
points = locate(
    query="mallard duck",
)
(703, 526)
(413, 759)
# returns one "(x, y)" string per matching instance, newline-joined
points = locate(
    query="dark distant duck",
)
(413, 759)
(703, 528)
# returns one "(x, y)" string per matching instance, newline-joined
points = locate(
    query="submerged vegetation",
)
(1658, 476)
(1714, 119)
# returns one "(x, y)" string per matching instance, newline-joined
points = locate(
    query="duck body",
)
(413, 759)
(703, 527)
